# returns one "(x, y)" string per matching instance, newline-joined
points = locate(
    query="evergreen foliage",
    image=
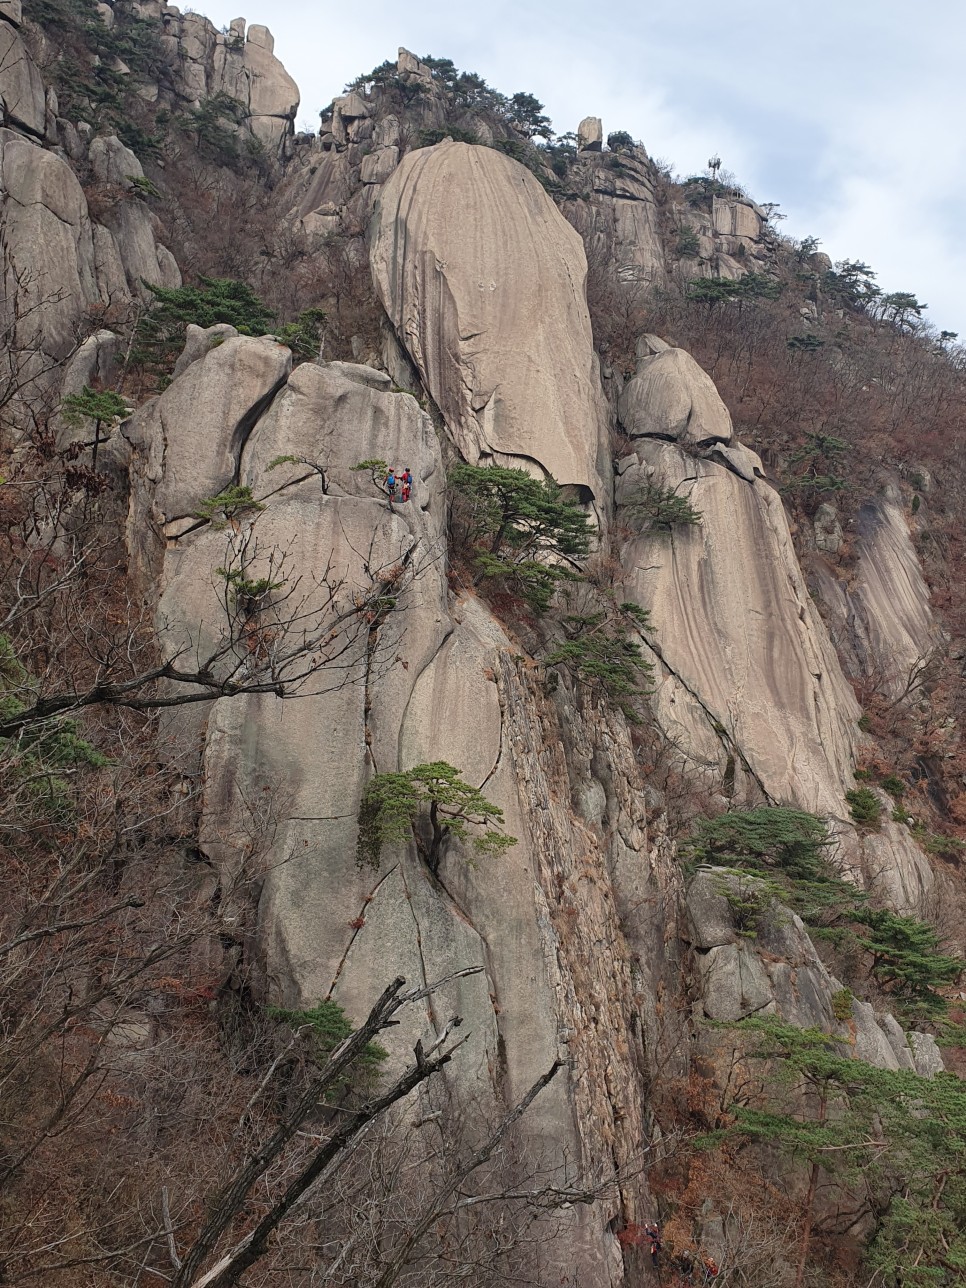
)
(246, 590)
(36, 763)
(393, 804)
(741, 291)
(805, 343)
(853, 283)
(907, 958)
(661, 509)
(214, 123)
(817, 466)
(700, 188)
(520, 530)
(787, 845)
(102, 408)
(620, 141)
(600, 654)
(688, 244)
(864, 807)
(161, 329)
(328, 1026)
(304, 335)
(89, 84)
(901, 1135)
(790, 848)
(431, 135)
(229, 504)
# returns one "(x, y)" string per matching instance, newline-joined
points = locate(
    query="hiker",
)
(710, 1269)
(407, 483)
(391, 483)
(654, 1236)
(685, 1265)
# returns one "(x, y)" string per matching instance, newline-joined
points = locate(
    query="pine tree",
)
(520, 529)
(393, 805)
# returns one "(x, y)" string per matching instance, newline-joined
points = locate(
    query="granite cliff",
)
(489, 312)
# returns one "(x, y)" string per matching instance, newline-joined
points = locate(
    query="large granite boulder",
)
(484, 282)
(881, 618)
(671, 397)
(45, 230)
(590, 134)
(190, 439)
(738, 633)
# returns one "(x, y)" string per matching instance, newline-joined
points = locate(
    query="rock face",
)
(882, 622)
(59, 263)
(760, 663)
(445, 683)
(671, 397)
(751, 687)
(226, 391)
(590, 134)
(484, 283)
(22, 91)
(252, 74)
(612, 204)
(582, 936)
(202, 62)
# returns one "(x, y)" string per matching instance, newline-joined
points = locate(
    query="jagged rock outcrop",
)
(203, 62)
(484, 283)
(778, 972)
(60, 265)
(610, 200)
(729, 236)
(225, 392)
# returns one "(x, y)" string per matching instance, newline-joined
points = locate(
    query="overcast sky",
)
(849, 113)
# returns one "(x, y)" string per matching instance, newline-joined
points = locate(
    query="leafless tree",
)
(278, 630)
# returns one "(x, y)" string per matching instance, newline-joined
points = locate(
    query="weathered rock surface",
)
(60, 265)
(758, 662)
(48, 247)
(191, 437)
(202, 62)
(254, 76)
(577, 930)
(449, 684)
(828, 529)
(882, 621)
(22, 93)
(484, 283)
(616, 213)
(751, 686)
(590, 134)
(671, 397)
(774, 969)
